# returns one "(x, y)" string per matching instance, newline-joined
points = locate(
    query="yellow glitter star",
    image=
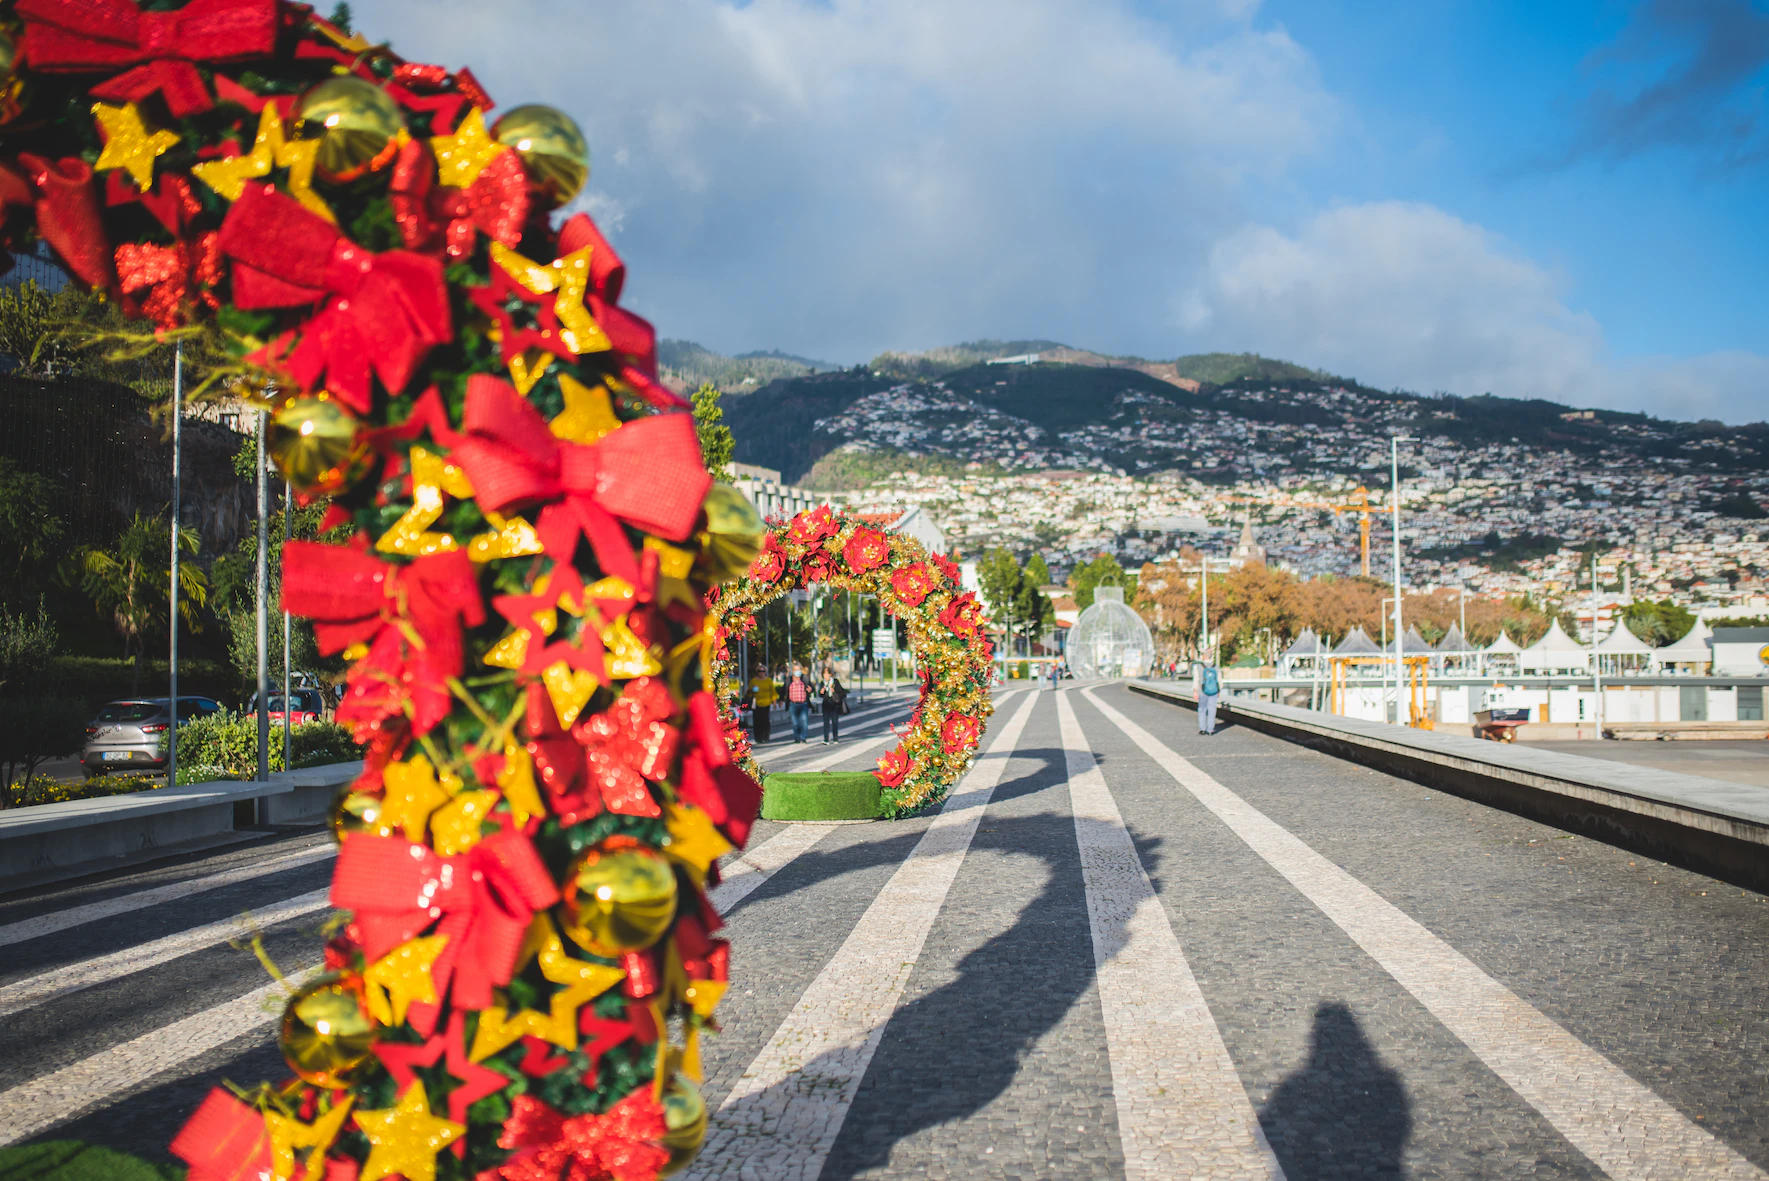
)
(516, 781)
(401, 977)
(627, 654)
(406, 1138)
(581, 983)
(269, 148)
(588, 413)
(510, 537)
(288, 1134)
(461, 157)
(694, 842)
(569, 277)
(454, 827)
(412, 794)
(527, 367)
(569, 689)
(432, 476)
(128, 144)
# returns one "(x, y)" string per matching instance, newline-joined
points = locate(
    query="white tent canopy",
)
(1623, 642)
(1555, 652)
(1357, 644)
(1693, 649)
(1503, 646)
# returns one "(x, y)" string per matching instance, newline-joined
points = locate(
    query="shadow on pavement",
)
(1345, 1112)
(950, 1053)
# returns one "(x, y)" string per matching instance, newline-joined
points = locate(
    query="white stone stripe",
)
(72, 978)
(1623, 1127)
(1182, 1110)
(54, 1098)
(74, 916)
(781, 1119)
(749, 869)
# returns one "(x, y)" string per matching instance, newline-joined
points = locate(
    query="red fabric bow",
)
(385, 313)
(72, 36)
(963, 615)
(64, 202)
(436, 217)
(893, 768)
(648, 473)
(224, 1140)
(485, 898)
(410, 616)
(913, 583)
(551, 1146)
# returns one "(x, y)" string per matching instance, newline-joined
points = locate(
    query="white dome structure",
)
(1109, 639)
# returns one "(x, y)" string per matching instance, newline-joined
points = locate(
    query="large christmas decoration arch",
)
(947, 635)
(522, 536)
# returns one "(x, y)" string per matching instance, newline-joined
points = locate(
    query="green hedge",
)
(824, 795)
(98, 679)
(225, 745)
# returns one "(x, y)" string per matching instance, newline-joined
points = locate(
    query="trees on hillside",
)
(1257, 610)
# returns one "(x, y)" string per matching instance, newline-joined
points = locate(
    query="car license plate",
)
(113, 756)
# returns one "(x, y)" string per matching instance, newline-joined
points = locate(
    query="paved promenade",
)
(1121, 950)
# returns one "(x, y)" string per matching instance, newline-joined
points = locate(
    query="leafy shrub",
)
(226, 745)
(33, 729)
(41, 789)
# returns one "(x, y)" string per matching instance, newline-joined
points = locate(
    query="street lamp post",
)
(1394, 442)
(262, 585)
(172, 655)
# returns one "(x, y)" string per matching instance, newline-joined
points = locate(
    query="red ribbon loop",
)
(647, 474)
(620, 1145)
(68, 218)
(388, 310)
(484, 898)
(71, 36)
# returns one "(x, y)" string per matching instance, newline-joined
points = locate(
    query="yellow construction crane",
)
(1360, 504)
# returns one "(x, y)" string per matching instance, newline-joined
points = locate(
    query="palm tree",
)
(131, 582)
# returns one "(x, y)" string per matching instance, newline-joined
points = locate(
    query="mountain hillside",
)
(1089, 413)
(685, 366)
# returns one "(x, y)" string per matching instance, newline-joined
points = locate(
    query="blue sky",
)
(1561, 200)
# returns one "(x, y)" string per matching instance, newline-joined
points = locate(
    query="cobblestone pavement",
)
(1123, 950)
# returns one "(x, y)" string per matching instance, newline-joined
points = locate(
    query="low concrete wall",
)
(1710, 825)
(55, 841)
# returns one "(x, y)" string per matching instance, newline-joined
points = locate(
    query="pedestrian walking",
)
(798, 704)
(1209, 689)
(763, 693)
(833, 697)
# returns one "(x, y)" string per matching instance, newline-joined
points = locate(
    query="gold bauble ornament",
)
(315, 443)
(355, 812)
(684, 1121)
(620, 896)
(551, 145)
(357, 124)
(327, 1032)
(733, 534)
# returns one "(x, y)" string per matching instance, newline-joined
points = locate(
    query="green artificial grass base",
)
(70, 1160)
(822, 795)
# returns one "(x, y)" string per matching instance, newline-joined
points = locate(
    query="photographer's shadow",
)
(1345, 1112)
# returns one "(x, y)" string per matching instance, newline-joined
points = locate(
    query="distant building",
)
(774, 499)
(1247, 551)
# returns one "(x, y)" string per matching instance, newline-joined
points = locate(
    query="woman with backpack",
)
(1209, 689)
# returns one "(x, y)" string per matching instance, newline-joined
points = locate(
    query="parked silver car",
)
(130, 735)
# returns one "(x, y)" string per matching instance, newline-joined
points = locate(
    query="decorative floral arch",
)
(946, 634)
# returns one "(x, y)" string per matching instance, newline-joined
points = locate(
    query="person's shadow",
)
(1345, 1113)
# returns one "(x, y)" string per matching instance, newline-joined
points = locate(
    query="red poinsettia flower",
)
(813, 525)
(818, 567)
(913, 583)
(960, 733)
(867, 549)
(893, 768)
(963, 615)
(946, 566)
(769, 565)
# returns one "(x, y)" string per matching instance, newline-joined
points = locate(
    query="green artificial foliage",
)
(822, 795)
(71, 1160)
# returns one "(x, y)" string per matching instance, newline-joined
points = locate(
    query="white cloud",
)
(1403, 294)
(844, 177)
